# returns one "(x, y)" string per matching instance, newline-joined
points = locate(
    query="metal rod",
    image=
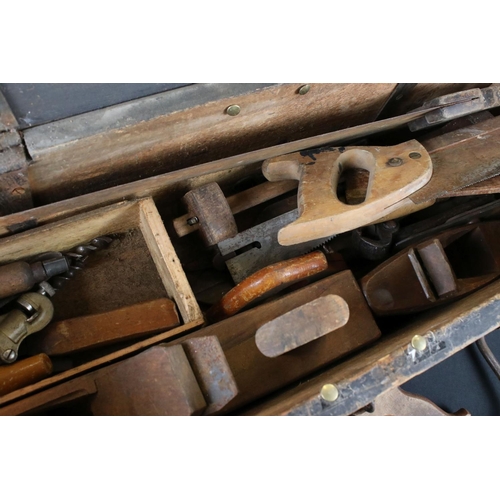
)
(488, 356)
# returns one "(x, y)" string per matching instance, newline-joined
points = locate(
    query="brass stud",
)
(329, 393)
(304, 89)
(419, 343)
(233, 110)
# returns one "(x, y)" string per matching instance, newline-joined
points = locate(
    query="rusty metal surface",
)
(212, 372)
(258, 247)
(301, 325)
(449, 266)
(464, 103)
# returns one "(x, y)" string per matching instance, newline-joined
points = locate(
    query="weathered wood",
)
(95, 330)
(393, 360)
(395, 173)
(302, 325)
(167, 262)
(165, 380)
(159, 381)
(95, 364)
(68, 233)
(270, 116)
(175, 184)
(208, 205)
(241, 201)
(257, 375)
(397, 402)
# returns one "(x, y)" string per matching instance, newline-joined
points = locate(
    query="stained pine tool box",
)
(246, 249)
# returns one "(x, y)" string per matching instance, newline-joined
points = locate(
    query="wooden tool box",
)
(123, 170)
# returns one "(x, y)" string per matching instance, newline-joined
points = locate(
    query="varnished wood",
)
(24, 372)
(266, 280)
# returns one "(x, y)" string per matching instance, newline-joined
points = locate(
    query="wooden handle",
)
(242, 201)
(24, 372)
(264, 281)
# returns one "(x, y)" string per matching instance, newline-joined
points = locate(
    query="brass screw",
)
(233, 110)
(419, 343)
(415, 155)
(304, 89)
(329, 393)
(395, 162)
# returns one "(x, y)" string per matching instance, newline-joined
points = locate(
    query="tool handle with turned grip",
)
(18, 277)
(24, 372)
(266, 280)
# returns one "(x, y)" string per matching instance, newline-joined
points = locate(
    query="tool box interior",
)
(195, 287)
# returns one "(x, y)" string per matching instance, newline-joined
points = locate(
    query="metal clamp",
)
(37, 312)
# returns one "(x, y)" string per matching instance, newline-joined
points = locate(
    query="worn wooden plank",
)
(393, 360)
(269, 116)
(97, 363)
(167, 262)
(94, 330)
(175, 184)
(257, 375)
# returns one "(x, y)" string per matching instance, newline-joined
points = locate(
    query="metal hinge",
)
(15, 191)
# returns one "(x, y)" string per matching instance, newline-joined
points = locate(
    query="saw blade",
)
(258, 247)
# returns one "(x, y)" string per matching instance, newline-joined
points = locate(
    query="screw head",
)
(18, 190)
(395, 162)
(192, 221)
(419, 343)
(415, 155)
(390, 225)
(329, 393)
(304, 89)
(9, 355)
(233, 110)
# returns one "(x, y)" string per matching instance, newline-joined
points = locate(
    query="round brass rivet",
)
(395, 162)
(329, 393)
(419, 343)
(415, 156)
(304, 89)
(233, 110)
